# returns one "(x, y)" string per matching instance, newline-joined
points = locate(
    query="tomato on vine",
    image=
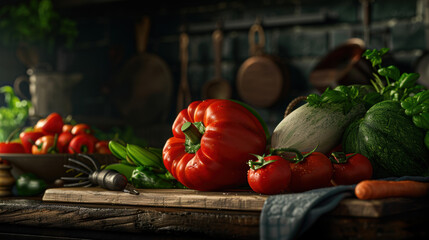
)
(309, 170)
(350, 168)
(269, 174)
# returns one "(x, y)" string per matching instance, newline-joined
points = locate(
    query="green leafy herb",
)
(345, 96)
(417, 107)
(375, 56)
(14, 114)
(388, 81)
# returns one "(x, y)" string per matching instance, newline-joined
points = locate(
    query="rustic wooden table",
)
(95, 214)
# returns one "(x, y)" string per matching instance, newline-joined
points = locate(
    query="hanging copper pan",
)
(260, 79)
(342, 66)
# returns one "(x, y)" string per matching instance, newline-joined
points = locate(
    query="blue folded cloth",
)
(287, 216)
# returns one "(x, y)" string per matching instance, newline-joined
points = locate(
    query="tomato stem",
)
(53, 148)
(260, 163)
(299, 157)
(340, 157)
(191, 132)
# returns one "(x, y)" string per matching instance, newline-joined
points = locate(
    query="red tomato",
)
(44, 145)
(63, 141)
(269, 175)
(82, 143)
(29, 138)
(51, 125)
(350, 169)
(67, 128)
(81, 128)
(11, 147)
(102, 147)
(315, 171)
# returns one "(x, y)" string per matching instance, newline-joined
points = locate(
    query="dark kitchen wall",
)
(299, 32)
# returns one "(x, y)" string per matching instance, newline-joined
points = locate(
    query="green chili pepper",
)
(29, 184)
(145, 178)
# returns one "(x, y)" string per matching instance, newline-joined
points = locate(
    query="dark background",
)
(107, 40)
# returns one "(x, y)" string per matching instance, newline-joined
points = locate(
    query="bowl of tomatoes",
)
(44, 149)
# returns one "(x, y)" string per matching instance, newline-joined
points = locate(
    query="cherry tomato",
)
(29, 138)
(102, 147)
(67, 128)
(82, 143)
(63, 141)
(44, 145)
(269, 174)
(309, 170)
(11, 147)
(350, 169)
(81, 128)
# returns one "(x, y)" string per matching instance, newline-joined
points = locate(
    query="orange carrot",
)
(376, 189)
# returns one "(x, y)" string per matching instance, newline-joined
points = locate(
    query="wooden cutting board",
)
(184, 198)
(237, 200)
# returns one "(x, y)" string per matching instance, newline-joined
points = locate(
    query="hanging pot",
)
(260, 79)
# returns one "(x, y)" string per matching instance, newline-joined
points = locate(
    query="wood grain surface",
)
(394, 218)
(108, 219)
(185, 198)
(241, 201)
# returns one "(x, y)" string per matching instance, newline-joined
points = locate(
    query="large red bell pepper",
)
(215, 156)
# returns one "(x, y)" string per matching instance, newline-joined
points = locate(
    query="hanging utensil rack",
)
(267, 22)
